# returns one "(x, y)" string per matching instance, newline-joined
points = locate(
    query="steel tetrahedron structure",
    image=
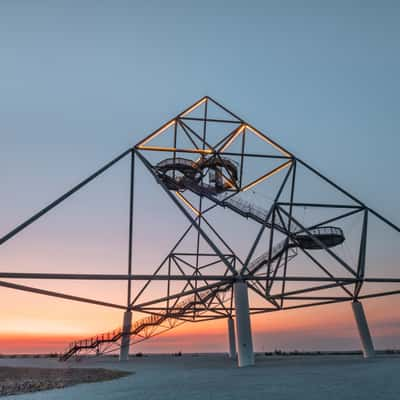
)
(265, 232)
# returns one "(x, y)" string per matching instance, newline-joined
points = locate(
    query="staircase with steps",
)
(115, 335)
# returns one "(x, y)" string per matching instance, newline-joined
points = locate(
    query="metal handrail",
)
(278, 248)
(247, 207)
(176, 161)
(139, 325)
(281, 246)
(323, 230)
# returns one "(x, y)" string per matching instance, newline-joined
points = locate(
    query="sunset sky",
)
(82, 81)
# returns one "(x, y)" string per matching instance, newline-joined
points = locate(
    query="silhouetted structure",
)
(205, 160)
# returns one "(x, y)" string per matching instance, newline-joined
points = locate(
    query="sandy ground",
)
(216, 377)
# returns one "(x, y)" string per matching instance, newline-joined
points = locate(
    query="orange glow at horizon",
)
(334, 324)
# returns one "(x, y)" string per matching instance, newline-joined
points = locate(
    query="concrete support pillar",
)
(126, 328)
(231, 337)
(243, 328)
(363, 330)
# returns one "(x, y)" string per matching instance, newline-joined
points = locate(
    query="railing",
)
(323, 231)
(264, 257)
(137, 327)
(201, 188)
(247, 208)
(170, 162)
(284, 244)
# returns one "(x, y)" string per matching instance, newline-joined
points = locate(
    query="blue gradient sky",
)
(82, 81)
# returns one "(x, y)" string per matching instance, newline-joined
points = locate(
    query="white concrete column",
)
(363, 330)
(126, 328)
(243, 328)
(231, 337)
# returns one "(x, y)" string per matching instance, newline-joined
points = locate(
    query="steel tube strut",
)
(55, 203)
(243, 327)
(130, 239)
(125, 339)
(223, 282)
(183, 210)
(363, 330)
(162, 277)
(59, 295)
(231, 338)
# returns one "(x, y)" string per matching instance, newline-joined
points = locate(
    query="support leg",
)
(231, 336)
(243, 327)
(126, 327)
(363, 330)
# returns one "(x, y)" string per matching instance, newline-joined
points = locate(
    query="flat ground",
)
(216, 377)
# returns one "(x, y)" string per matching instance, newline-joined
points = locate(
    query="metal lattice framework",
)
(207, 160)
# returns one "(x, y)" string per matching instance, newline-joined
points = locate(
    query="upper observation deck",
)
(209, 175)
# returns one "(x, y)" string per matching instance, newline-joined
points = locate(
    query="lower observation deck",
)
(329, 236)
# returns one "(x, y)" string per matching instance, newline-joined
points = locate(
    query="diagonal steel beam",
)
(65, 196)
(187, 215)
(319, 243)
(64, 296)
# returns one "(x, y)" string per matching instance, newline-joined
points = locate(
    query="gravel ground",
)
(16, 380)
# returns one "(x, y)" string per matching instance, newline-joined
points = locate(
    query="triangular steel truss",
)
(205, 160)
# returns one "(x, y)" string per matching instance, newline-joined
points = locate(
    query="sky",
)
(82, 81)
